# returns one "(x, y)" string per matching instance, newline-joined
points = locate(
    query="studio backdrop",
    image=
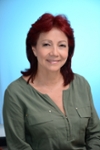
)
(16, 17)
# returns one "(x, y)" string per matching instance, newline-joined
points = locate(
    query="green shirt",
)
(34, 122)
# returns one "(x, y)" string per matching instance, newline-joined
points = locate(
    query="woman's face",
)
(51, 50)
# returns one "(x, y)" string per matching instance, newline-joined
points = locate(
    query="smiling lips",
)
(53, 61)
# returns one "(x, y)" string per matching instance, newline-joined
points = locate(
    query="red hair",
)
(45, 23)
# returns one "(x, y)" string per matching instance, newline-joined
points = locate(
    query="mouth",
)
(53, 61)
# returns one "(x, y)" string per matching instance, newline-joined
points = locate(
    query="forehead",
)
(54, 34)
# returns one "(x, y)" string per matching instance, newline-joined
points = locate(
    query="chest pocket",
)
(40, 126)
(84, 114)
(38, 120)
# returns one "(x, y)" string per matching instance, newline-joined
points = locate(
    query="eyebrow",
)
(51, 40)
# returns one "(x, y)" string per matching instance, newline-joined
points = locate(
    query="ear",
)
(34, 50)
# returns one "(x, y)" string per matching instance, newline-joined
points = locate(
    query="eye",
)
(46, 44)
(62, 45)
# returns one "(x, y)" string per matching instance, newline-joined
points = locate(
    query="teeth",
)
(53, 61)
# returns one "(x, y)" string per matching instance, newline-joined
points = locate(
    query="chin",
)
(54, 69)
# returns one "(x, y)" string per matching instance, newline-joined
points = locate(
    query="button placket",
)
(49, 111)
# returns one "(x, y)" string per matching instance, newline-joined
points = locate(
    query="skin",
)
(51, 51)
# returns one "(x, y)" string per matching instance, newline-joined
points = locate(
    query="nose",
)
(54, 51)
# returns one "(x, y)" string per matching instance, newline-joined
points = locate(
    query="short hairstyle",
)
(45, 23)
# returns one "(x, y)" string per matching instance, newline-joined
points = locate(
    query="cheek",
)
(41, 56)
(65, 54)
(39, 53)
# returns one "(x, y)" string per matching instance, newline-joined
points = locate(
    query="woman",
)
(50, 107)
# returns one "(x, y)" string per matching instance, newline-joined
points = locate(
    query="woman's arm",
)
(93, 129)
(14, 123)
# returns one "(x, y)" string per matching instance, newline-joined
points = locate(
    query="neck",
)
(48, 79)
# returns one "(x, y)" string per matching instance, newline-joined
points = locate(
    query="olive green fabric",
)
(34, 122)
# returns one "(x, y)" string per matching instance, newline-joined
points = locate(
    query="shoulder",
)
(80, 83)
(82, 90)
(15, 86)
(16, 92)
(80, 80)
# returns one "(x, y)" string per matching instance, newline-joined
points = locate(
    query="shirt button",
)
(76, 108)
(50, 111)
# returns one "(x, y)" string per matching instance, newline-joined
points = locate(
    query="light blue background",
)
(16, 17)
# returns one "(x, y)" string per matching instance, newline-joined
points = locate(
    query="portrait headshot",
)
(50, 76)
